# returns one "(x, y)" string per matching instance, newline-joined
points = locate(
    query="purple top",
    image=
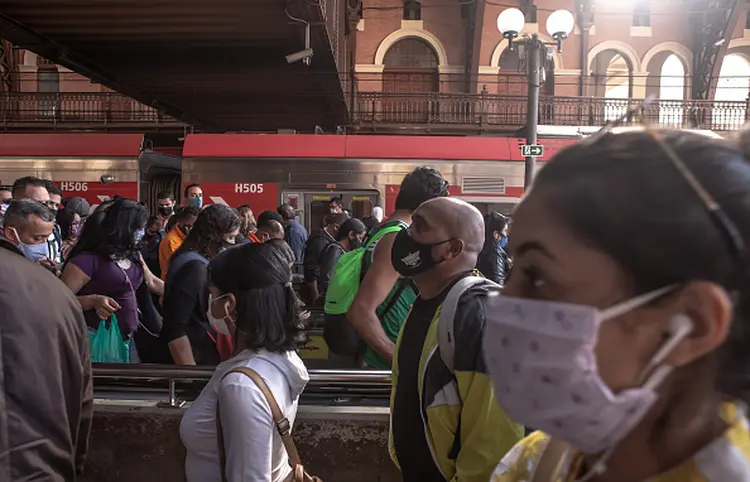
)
(108, 279)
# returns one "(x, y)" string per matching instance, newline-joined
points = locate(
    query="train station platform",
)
(137, 441)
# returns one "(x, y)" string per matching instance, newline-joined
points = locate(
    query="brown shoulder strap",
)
(548, 466)
(282, 423)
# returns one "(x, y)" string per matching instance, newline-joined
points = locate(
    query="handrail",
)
(181, 373)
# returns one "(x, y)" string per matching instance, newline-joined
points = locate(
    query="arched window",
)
(672, 92)
(733, 86)
(411, 53)
(410, 69)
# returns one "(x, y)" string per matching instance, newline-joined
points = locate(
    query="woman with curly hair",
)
(187, 332)
(104, 267)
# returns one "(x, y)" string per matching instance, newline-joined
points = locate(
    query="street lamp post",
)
(510, 23)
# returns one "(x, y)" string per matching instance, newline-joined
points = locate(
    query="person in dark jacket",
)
(350, 236)
(316, 245)
(494, 262)
(45, 366)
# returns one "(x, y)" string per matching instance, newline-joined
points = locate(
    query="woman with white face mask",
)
(622, 333)
(251, 299)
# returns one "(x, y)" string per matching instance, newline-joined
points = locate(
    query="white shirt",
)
(254, 450)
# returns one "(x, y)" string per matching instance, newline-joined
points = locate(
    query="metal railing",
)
(373, 108)
(510, 110)
(99, 108)
(321, 380)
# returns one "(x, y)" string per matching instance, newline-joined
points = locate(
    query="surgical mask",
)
(219, 324)
(34, 252)
(410, 257)
(541, 358)
(503, 241)
(166, 210)
(196, 202)
(138, 235)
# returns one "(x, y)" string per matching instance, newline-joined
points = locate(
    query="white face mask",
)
(541, 358)
(219, 324)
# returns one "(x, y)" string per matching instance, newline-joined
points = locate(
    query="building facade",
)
(438, 66)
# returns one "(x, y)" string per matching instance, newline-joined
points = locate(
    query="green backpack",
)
(348, 272)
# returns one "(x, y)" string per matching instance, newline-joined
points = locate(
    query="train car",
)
(306, 171)
(93, 166)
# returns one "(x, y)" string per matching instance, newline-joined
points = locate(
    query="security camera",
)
(302, 55)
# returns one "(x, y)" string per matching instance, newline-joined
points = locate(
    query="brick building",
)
(444, 63)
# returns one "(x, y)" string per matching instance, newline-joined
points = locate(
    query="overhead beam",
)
(713, 23)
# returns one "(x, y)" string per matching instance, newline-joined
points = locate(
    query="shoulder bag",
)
(282, 425)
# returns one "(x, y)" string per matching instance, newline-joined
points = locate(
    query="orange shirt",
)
(168, 246)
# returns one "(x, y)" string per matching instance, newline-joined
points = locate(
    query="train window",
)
(361, 208)
(318, 211)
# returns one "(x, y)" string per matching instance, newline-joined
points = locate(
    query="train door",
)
(312, 206)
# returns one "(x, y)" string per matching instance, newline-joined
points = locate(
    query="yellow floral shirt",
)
(727, 459)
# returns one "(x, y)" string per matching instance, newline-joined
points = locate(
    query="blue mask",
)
(34, 252)
(196, 202)
(503, 241)
(139, 235)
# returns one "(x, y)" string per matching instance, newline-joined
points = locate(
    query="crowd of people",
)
(615, 333)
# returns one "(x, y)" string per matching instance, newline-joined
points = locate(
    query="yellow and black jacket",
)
(466, 430)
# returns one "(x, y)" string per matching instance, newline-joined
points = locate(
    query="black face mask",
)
(354, 243)
(166, 210)
(410, 257)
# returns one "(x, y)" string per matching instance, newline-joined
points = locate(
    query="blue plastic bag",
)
(107, 345)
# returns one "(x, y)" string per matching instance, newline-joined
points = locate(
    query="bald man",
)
(467, 429)
(271, 229)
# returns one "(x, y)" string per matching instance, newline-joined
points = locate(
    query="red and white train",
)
(267, 170)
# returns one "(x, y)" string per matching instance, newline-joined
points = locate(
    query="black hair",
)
(267, 216)
(268, 314)
(352, 225)
(20, 186)
(65, 218)
(286, 211)
(420, 185)
(493, 222)
(52, 188)
(336, 200)
(77, 205)
(621, 184)
(186, 212)
(20, 210)
(7, 188)
(166, 195)
(338, 218)
(153, 220)
(207, 237)
(189, 187)
(115, 235)
(370, 222)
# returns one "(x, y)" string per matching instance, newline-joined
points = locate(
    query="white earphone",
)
(680, 326)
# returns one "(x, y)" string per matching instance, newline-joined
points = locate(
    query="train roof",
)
(78, 145)
(364, 147)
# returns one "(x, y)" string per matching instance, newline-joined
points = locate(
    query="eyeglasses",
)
(719, 217)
